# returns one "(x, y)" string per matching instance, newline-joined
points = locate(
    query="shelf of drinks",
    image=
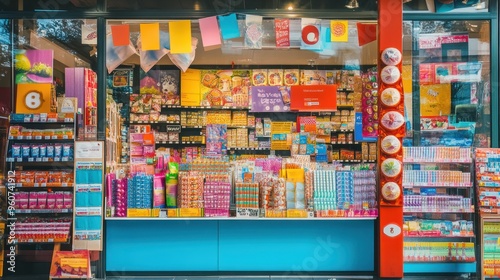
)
(43, 211)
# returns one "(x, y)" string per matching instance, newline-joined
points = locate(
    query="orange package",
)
(41, 177)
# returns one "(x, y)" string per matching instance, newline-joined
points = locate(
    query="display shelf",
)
(192, 126)
(430, 185)
(238, 219)
(44, 123)
(167, 142)
(437, 211)
(62, 163)
(206, 107)
(420, 161)
(43, 185)
(343, 130)
(28, 139)
(42, 211)
(439, 236)
(47, 241)
(152, 122)
(345, 143)
(247, 149)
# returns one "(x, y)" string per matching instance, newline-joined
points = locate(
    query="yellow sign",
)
(75, 262)
(33, 98)
(191, 88)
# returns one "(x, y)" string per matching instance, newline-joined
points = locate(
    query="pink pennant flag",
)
(210, 35)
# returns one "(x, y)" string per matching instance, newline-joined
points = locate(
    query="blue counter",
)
(225, 245)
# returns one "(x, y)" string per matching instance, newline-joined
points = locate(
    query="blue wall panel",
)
(296, 246)
(161, 245)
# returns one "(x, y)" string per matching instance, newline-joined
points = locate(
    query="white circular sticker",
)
(392, 120)
(391, 191)
(391, 56)
(391, 167)
(391, 144)
(390, 75)
(390, 97)
(392, 230)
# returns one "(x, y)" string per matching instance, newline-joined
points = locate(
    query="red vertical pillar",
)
(391, 133)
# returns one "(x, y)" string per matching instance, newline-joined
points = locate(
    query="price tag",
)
(50, 240)
(296, 213)
(9, 159)
(54, 137)
(28, 137)
(310, 214)
(172, 213)
(38, 137)
(57, 159)
(45, 159)
(38, 159)
(65, 137)
(10, 137)
(190, 212)
(247, 212)
(47, 137)
(19, 160)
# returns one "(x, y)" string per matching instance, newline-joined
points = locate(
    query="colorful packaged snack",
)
(59, 197)
(26, 151)
(43, 151)
(35, 151)
(66, 150)
(50, 151)
(57, 150)
(33, 200)
(15, 131)
(41, 177)
(15, 151)
(42, 200)
(51, 200)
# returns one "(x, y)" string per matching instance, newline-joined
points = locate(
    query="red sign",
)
(282, 29)
(314, 98)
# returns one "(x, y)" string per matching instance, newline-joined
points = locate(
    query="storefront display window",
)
(451, 66)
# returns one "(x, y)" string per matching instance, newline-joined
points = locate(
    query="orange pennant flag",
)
(121, 35)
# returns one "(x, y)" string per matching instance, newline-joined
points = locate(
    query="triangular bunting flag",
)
(367, 33)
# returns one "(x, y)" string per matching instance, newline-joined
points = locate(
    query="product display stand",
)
(488, 193)
(40, 156)
(439, 227)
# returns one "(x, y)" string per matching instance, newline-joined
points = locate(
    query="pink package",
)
(42, 200)
(51, 200)
(33, 200)
(136, 151)
(59, 200)
(68, 200)
(136, 137)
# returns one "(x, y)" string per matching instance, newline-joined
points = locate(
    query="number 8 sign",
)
(33, 98)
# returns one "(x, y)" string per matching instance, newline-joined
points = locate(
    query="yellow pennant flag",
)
(150, 36)
(180, 36)
(339, 30)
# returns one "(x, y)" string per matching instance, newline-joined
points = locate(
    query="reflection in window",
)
(453, 74)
